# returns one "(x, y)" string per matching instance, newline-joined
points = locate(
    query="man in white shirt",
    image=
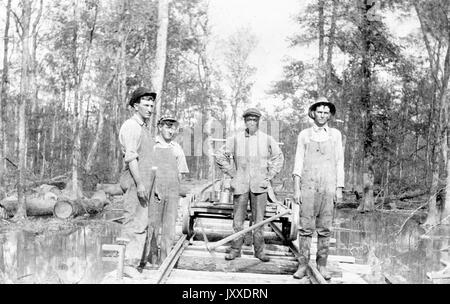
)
(318, 179)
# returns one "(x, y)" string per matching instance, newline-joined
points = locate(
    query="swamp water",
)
(74, 255)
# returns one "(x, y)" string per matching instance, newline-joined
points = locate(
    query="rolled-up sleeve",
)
(130, 137)
(223, 157)
(299, 156)
(340, 175)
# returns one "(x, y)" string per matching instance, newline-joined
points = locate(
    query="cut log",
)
(65, 209)
(36, 204)
(204, 261)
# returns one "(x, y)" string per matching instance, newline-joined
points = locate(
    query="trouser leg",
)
(258, 206)
(306, 229)
(323, 224)
(168, 225)
(239, 215)
(303, 259)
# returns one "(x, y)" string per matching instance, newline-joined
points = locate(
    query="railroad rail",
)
(206, 230)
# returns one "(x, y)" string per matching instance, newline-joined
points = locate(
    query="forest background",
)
(69, 67)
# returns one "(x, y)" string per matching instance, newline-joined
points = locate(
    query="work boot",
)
(233, 254)
(303, 259)
(262, 256)
(323, 245)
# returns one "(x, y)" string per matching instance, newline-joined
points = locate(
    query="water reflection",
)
(70, 257)
(372, 239)
(74, 256)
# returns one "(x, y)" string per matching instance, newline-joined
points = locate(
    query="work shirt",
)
(256, 158)
(130, 137)
(320, 134)
(177, 151)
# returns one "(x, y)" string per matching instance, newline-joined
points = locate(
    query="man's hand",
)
(339, 196)
(142, 195)
(264, 183)
(297, 196)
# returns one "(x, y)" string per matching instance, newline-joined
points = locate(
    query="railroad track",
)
(190, 262)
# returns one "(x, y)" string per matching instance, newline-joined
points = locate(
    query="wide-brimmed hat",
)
(253, 112)
(322, 102)
(140, 92)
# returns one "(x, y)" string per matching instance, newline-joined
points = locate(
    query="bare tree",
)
(161, 54)
(4, 94)
(238, 70)
(21, 212)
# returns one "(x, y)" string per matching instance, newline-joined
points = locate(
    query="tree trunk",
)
(98, 135)
(4, 95)
(321, 68)
(160, 56)
(367, 203)
(331, 39)
(23, 100)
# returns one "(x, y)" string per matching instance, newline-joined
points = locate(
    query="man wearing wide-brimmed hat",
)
(257, 159)
(318, 179)
(137, 154)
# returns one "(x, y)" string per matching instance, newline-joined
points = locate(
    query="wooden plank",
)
(245, 251)
(348, 278)
(270, 247)
(245, 264)
(182, 276)
(202, 252)
(394, 279)
(356, 268)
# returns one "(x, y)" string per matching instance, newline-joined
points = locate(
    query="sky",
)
(272, 22)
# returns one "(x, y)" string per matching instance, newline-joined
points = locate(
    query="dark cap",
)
(140, 92)
(321, 102)
(252, 111)
(167, 118)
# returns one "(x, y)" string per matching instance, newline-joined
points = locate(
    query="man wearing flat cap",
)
(257, 159)
(137, 154)
(171, 162)
(318, 180)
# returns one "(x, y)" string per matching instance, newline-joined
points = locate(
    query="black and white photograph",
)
(225, 147)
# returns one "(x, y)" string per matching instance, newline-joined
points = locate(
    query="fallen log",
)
(66, 208)
(37, 204)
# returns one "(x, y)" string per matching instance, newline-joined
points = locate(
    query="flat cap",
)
(140, 92)
(167, 118)
(252, 111)
(321, 102)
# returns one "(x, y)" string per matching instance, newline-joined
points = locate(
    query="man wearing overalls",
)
(318, 179)
(257, 159)
(137, 150)
(171, 162)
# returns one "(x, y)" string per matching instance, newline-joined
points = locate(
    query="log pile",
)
(48, 200)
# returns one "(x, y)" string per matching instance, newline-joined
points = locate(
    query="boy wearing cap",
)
(171, 162)
(137, 151)
(257, 159)
(318, 179)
